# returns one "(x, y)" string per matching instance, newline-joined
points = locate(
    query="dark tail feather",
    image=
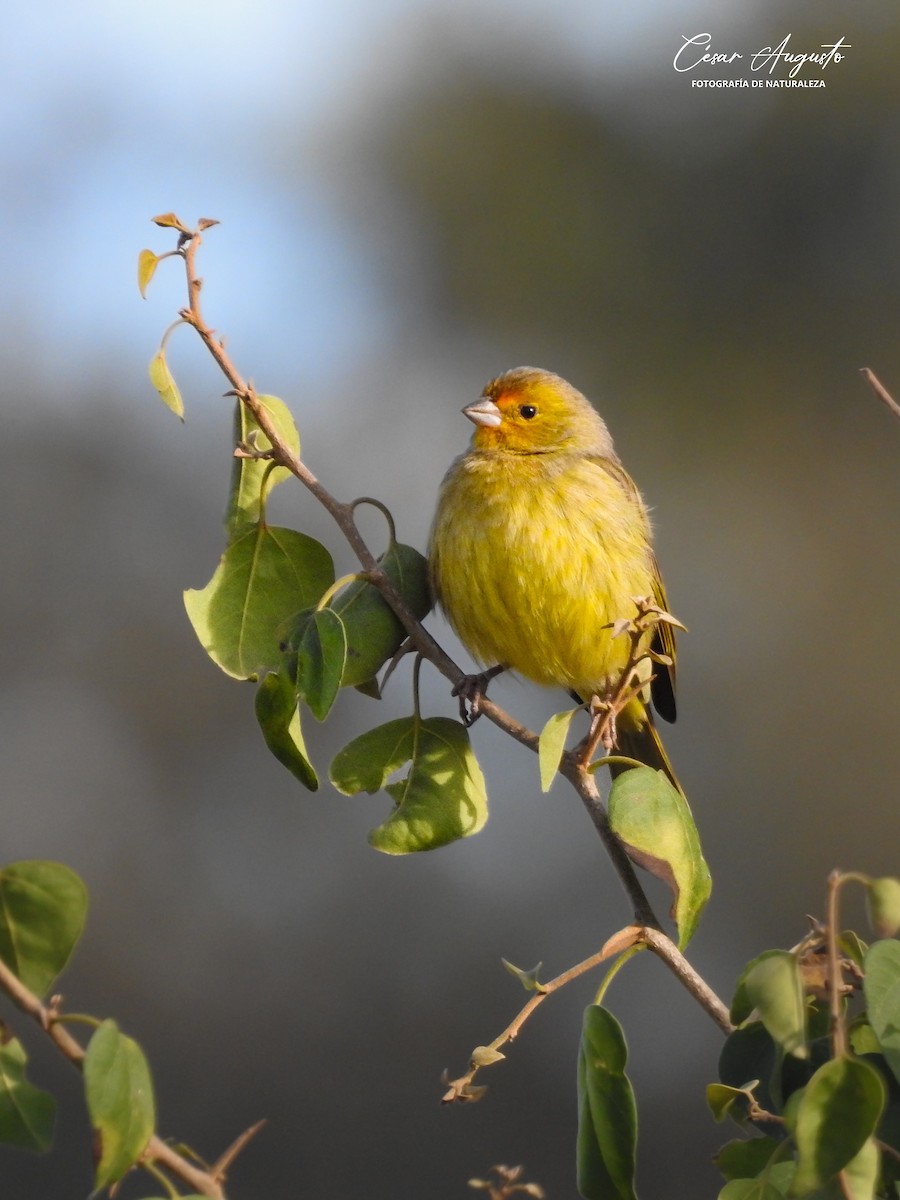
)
(643, 743)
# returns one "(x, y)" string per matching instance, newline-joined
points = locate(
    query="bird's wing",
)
(662, 688)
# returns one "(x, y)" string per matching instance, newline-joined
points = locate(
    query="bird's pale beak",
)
(483, 412)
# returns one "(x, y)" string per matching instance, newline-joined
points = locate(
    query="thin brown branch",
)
(201, 1182)
(880, 391)
(665, 948)
(585, 786)
(461, 1089)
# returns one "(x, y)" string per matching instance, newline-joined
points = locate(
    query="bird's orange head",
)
(530, 411)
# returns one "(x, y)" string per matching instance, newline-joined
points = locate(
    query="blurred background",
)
(415, 196)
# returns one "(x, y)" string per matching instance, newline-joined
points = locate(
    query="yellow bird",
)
(540, 541)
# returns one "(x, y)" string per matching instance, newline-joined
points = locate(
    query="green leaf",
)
(528, 979)
(745, 1158)
(863, 1039)
(252, 479)
(147, 264)
(279, 719)
(26, 1113)
(850, 945)
(749, 1054)
(607, 1117)
(162, 380)
(42, 910)
(373, 631)
(120, 1101)
(772, 986)
(551, 744)
(884, 906)
(366, 763)
(721, 1097)
(860, 1176)
(320, 654)
(750, 1189)
(652, 818)
(839, 1112)
(265, 576)
(441, 798)
(881, 985)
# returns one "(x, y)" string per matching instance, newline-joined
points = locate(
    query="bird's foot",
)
(603, 724)
(471, 691)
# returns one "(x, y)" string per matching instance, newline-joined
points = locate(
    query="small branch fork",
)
(631, 938)
(574, 765)
(632, 681)
(202, 1180)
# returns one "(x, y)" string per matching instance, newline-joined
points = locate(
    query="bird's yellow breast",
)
(531, 555)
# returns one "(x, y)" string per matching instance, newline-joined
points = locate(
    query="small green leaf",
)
(881, 985)
(147, 264)
(528, 979)
(265, 576)
(745, 1158)
(747, 1055)
(852, 946)
(750, 1189)
(320, 655)
(26, 1113)
(721, 1097)
(773, 987)
(42, 910)
(120, 1101)
(162, 380)
(366, 763)
(442, 797)
(839, 1112)
(860, 1176)
(862, 1038)
(170, 221)
(252, 479)
(373, 631)
(551, 744)
(884, 906)
(607, 1117)
(653, 820)
(279, 719)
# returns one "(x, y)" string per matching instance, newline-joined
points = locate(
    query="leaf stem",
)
(383, 509)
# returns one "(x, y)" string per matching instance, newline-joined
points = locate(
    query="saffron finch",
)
(540, 541)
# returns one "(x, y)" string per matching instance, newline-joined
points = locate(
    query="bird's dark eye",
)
(527, 411)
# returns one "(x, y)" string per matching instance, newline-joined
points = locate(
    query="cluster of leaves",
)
(818, 1082)
(273, 612)
(43, 906)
